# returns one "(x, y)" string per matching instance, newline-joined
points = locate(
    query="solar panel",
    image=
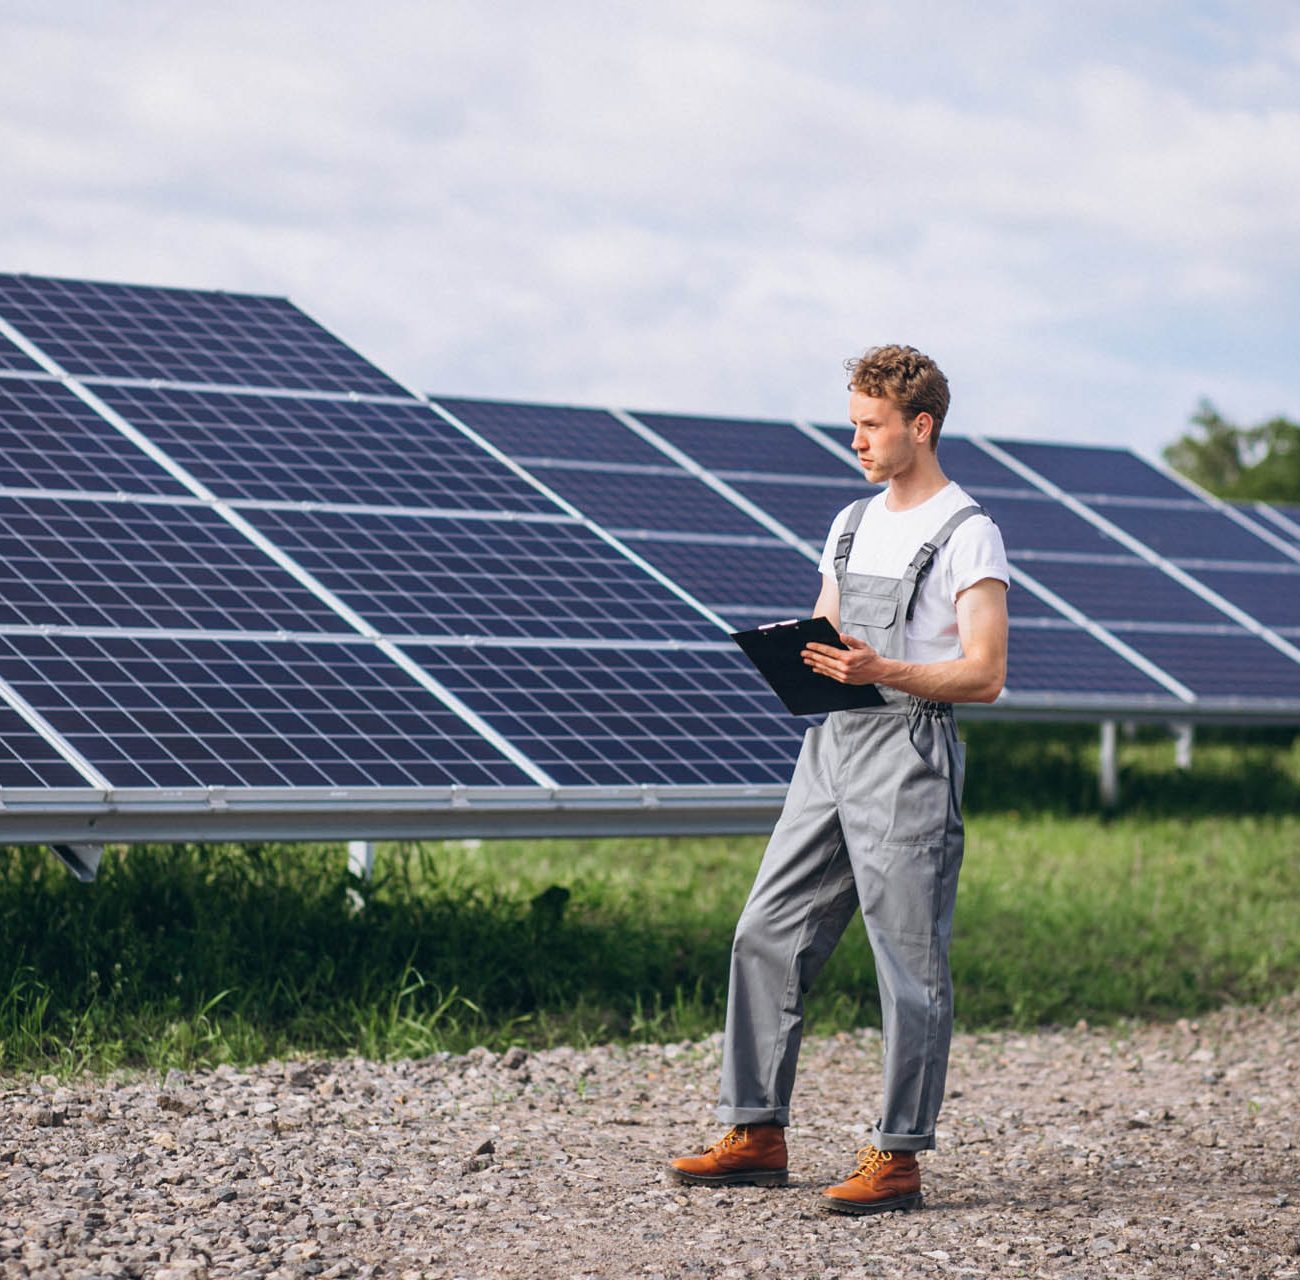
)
(735, 445)
(133, 564)
(664, 513)
(49, 439)
(14, 359)
(1068, 663)
(477, 577)
(1114, 592)
(1194, 532)
(805, 508)
(973, 469)
(152, 712)
(538, 433)
(1037, 524)
(610, 717)
(1272, 596)
(1091, 469)
(1233, 666)
(664, 503)
(1292, 515)
(310, 450)
(766, 580)
(27, 760)
(183, 335)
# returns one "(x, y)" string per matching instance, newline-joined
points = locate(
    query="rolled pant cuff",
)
(753, 1115)
(901, 1141)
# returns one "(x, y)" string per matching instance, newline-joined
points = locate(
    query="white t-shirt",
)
(887, 540)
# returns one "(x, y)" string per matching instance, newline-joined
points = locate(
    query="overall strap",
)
(845, 543)
(923, 561)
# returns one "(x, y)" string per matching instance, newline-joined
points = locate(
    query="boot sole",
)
(895, 1204)
(756, 1178)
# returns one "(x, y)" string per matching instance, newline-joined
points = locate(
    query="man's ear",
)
(923, 425)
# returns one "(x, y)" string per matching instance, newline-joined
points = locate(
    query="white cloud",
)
(697, 207)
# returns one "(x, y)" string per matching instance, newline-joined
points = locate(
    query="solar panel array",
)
(236, 557)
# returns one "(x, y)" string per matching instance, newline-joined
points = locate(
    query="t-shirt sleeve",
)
(977, 553)
(827, 563)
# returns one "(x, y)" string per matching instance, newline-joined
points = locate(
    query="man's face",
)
(885, 442)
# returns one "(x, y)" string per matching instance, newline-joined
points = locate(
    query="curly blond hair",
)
(906, 376)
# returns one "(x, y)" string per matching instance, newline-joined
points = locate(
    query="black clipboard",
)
(775, 650)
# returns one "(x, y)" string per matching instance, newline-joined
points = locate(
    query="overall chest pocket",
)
(869, 617)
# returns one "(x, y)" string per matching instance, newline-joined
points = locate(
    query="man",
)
(915, 581)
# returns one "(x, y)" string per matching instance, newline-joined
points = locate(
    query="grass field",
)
(188, 955)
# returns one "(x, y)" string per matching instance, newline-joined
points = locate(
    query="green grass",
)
(195, 955)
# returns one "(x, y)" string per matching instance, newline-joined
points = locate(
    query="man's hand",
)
(858, 664)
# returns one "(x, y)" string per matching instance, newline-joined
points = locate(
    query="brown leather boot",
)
(883, 1181)
(752, 1154)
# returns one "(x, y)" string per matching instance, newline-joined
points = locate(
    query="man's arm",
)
(977, 676)
(828, 601)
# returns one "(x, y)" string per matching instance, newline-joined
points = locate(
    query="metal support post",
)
(1184, 738)
(1108, 766)
(361, 858)
(361, 863)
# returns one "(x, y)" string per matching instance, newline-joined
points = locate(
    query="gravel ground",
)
(1145, 1150)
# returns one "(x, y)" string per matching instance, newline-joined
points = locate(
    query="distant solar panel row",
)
(668, 514)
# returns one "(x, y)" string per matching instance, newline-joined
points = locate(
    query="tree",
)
(1259, 463)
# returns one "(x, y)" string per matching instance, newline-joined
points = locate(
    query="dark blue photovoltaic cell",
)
(1090, 469)
(1203, 534)
(269, 447)
(660, 503)
(1135, 592)
(128, 564)
(1222, 666)
(1292, 514)
(842, 435)
(1052, 660)
(1040, 524)
(545, 581)
(27, 760)
(738, 444)
(165, 713)
(973, 469)
(533, 431)
(14, 359)
(183, 335)
(49, 439)
(616, 717)
(1266, 519)
(1272, 598)
(805, 509)
(764, 577)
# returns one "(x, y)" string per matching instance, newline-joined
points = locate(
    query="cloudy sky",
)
(1090, 214)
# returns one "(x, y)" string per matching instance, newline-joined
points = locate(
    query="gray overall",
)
(872, 821)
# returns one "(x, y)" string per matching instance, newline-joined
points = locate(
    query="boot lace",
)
(733, 1137)
(871, 1160)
